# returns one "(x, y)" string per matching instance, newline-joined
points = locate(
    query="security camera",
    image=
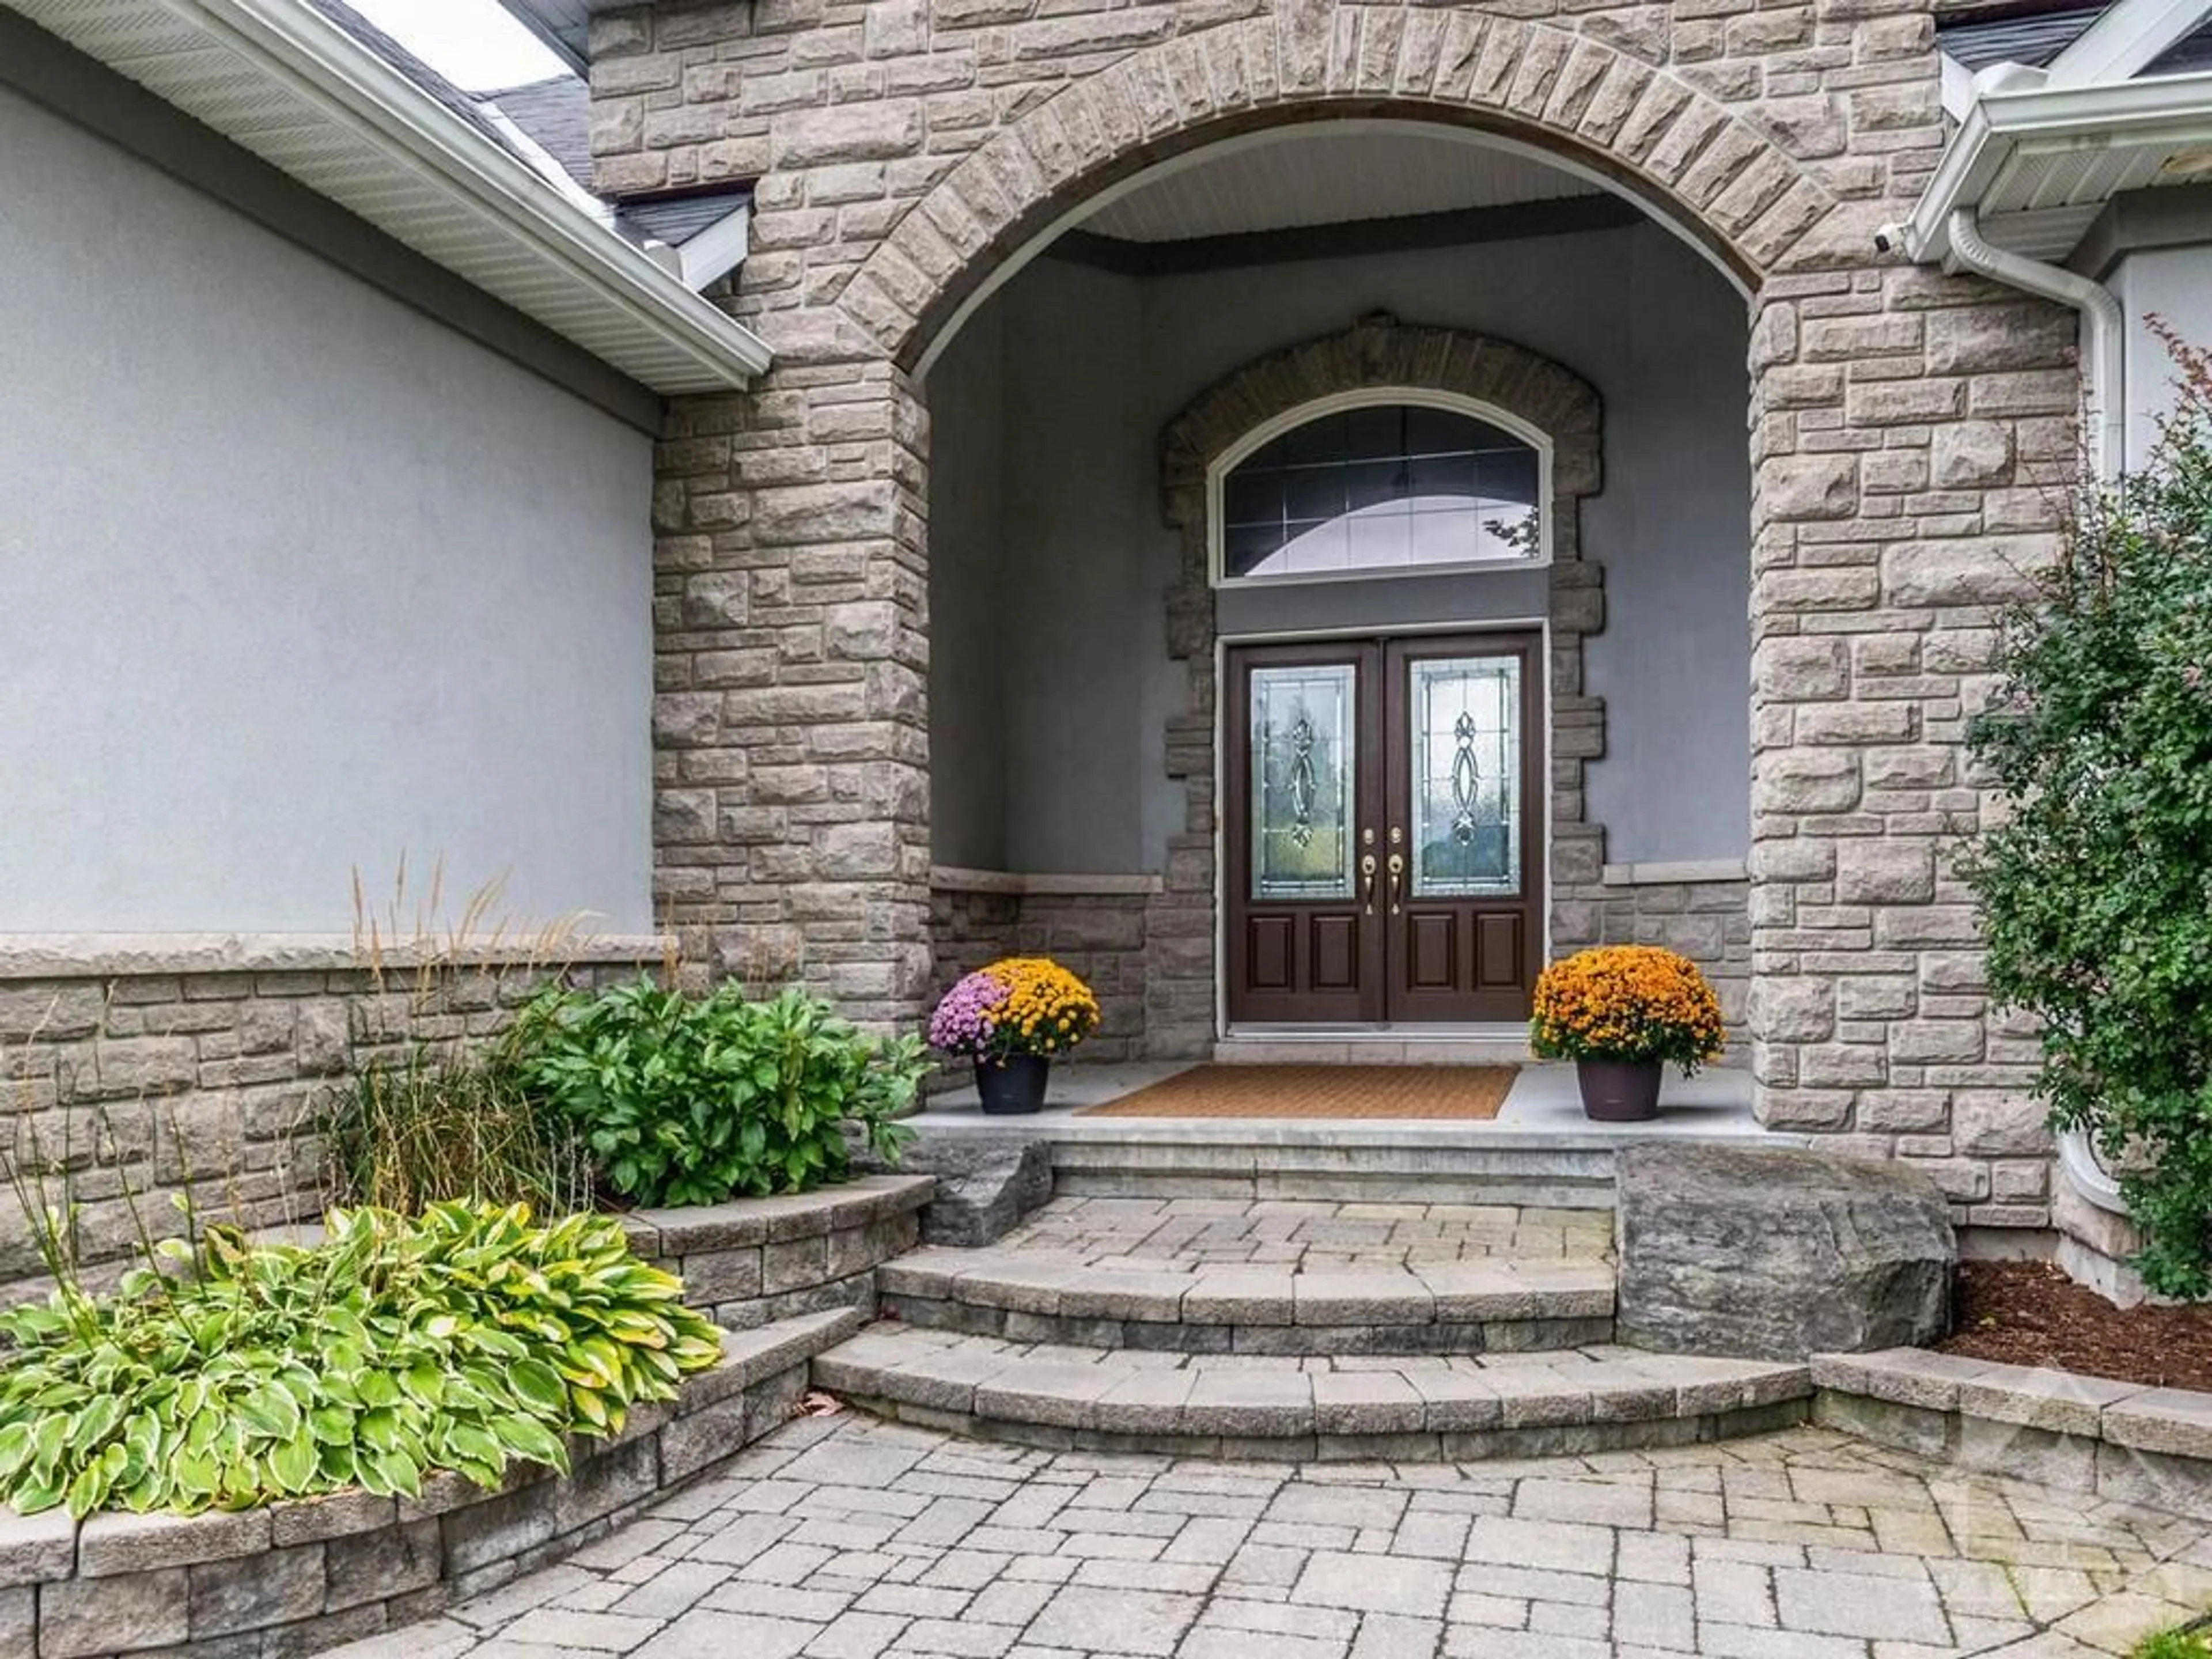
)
(1889, 237)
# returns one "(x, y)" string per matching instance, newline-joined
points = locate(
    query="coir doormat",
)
(1467, 1093)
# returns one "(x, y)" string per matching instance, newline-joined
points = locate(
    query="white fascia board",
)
(2175, 109)
(322, 64)
(2125, 41)
(717, 251)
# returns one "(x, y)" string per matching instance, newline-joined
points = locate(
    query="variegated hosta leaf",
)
(457, 1340)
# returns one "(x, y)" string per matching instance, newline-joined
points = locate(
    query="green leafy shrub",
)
(694, 1101)
(2095, 890)
(2188, 1642)
(393, 1349)
(430, 1127)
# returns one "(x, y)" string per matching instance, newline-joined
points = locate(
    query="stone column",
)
(790, 721)
(1913, 438)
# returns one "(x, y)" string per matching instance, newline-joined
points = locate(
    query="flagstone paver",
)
(1306, 1235)
(844, 1538)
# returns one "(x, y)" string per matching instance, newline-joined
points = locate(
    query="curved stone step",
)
(1475, 1306)
(1409, 1408)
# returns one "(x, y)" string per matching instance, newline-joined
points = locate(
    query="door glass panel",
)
(1304, 756)
(1466, 737)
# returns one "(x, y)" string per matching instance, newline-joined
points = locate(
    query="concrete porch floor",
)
(1543, 1106)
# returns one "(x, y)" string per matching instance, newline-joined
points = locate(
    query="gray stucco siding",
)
(1093, 364)
(298, 581)
(2173, 284)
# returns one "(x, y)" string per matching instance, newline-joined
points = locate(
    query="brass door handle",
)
(1367, 879)
(1397, 873)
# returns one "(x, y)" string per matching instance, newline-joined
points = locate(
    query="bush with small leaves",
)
(2095, 886)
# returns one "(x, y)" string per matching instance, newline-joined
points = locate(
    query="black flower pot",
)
(1012, 1085)
(1619, 1090)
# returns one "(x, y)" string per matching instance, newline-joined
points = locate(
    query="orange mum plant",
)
(1627, 1002)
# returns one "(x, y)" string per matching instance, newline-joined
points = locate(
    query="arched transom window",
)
(1382, 484)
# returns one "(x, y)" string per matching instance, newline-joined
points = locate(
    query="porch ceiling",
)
(1328, 175)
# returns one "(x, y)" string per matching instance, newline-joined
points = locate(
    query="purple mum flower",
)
(965, 1021)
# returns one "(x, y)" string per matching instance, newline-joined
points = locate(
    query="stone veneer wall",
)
(1702, 910)
(1103, 937)
(163, 1066)
(1905, 428)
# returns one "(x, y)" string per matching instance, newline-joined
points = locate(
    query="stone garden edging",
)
(755, 1260)
(300, 1576)
(784, 1277)
(2122, 1441)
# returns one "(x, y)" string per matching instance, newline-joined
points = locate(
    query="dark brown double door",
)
(1384, 846)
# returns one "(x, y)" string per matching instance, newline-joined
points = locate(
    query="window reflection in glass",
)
(1303, 762)
(1467, 777)
(1389, 487)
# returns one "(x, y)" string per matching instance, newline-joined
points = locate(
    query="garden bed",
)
(2029, 1313)
(302, 1575)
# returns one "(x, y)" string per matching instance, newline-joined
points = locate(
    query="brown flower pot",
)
(1013, 1085)
(1619, 1090)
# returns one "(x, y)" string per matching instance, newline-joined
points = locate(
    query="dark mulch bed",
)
(2028, 1313)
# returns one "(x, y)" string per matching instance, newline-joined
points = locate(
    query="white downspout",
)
(2102, 367)
(2102, 364)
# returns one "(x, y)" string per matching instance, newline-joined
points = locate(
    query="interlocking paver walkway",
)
(1305, 1235)
(841, 1538)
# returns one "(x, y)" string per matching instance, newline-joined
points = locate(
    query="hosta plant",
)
(695, 1100)
(395, 1348)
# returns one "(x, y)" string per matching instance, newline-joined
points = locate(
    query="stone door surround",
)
(1377, 353)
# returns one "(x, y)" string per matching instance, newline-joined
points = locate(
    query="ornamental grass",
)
(1629, 1003)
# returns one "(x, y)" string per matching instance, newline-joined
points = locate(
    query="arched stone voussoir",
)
(1670, 145)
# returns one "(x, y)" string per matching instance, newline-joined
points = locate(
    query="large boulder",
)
(985, 1186)
(1774, 1254)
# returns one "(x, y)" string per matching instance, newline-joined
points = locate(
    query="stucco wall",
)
(2174, 284)
(296, 580)
(1093, 364)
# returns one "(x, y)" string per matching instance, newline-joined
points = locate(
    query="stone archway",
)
(1378, 352)
(1661, 138)
(1905, 430)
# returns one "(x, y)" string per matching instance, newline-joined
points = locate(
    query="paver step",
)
(1408, 1408)
(1482, 1305)
(1399, 1162)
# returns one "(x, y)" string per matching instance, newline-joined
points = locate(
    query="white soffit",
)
(2036, 162)
(278, 78)
(1320, 177)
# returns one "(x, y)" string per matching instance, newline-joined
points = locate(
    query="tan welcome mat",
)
(1469, 1093)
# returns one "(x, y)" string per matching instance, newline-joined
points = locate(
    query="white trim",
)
(311, 58)
(717, 251)
(2172, 111)
(952, 879)
(1675, 873)
(1375, 397)
(2125, 41)
(1540, 626)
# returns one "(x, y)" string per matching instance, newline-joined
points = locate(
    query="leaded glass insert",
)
(1467, 736)
(1304, 755)
(1387, 487)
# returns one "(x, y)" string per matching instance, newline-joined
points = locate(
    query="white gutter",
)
(2102, 326)
(323, 65)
